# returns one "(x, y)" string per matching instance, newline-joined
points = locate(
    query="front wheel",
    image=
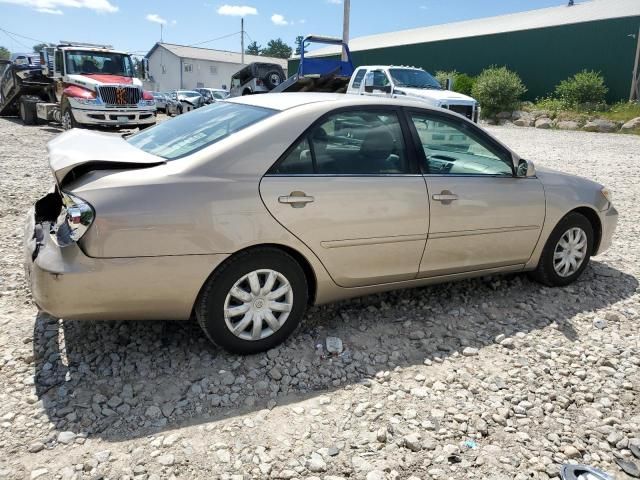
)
(567, 251)
(67, 119)
(253, 301)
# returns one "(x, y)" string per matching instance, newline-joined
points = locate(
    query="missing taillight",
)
(48, 208)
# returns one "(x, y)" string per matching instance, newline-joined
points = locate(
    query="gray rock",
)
(334, 345)
(413, 442)
(35, 447)
(544, 123)
(571, 452)
(38, 473)
(316, 463)
(633, 124)
(568, 125)
(66, 437)
(166, 460)
(375, 475)
(522, 122)
(600, 125)
(470, 352)
(153, 412)
(504, 115)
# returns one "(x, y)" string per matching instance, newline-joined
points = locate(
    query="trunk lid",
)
(80, 151)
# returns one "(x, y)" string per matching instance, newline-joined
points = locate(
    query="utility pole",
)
(635, 82)
(161, 32)
(345, 27)
(242, 39)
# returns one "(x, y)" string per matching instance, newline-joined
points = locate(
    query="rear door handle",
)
(445, 197)
(296, 199)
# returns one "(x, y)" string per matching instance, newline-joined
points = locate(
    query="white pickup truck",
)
(393, 81)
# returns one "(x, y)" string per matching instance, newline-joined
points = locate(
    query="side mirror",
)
(145, 67)
(448, 84)
(526, 168)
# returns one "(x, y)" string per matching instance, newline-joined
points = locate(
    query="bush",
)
(442, 76)
(462, 83)
(585, 87)
(498, 89)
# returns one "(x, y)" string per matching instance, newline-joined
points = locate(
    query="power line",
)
(15, 39)
(22, 36)
(214, 39)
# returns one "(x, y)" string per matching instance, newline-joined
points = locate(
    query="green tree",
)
(253, 49)
(300, 45)
(277, 48)
(498, 89)
(4, 53)
(38, 47)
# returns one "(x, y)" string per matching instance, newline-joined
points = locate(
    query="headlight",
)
(606, 193)
(76, 218)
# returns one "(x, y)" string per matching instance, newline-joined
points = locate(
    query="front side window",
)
(105, 63)
(203, 127)
(350, 143)
(452, 148)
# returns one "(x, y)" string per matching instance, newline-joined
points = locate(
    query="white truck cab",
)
(393, 81)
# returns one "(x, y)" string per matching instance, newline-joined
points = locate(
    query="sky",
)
(134, 25)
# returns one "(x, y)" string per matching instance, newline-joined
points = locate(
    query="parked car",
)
(187, 100)
(215, 93)
(161, 101)
(249, 210)
(256, 77)
(174, 107)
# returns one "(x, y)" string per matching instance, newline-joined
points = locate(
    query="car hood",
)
(443, 96)
(88, 151)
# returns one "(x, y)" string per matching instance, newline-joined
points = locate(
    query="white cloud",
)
(237, 10)
(155, 18)
(51, 11)
(335, 2)
(54, 6)
(278, 19)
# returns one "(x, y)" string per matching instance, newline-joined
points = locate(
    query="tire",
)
(549, 270)
(67, 119)
(272, 79)
(216, 294)
(28, 112)
(246, 92)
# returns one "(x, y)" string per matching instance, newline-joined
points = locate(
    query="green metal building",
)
(544, 46)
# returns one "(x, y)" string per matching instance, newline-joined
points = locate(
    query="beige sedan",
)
(245, 212)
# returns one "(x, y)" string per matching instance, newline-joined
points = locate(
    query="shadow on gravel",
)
(122, 380)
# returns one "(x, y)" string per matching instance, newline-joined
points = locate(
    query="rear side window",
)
(198, 129)
(357, 80)
(349, 143)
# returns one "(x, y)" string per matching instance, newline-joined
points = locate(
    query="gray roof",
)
(541, 18)
(224, 56)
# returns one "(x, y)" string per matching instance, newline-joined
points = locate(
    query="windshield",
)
(104, 63)
(200, 128)
(405, 77)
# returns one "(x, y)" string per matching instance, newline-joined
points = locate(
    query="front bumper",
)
(609, 221)
(89, 116)
(68, 284)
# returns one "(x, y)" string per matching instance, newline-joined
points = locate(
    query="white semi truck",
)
(77, 84)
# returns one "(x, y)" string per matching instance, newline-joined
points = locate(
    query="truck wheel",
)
(67, 120)
(28, 112)
(246, 92)
(272, 79)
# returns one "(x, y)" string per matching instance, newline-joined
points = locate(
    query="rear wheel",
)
(28, 111)
(567, 251)
(272, 79)
(253, 301)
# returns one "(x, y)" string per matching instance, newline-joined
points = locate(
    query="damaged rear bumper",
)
(68, 284)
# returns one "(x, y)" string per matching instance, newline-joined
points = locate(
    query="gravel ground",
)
(496, 378)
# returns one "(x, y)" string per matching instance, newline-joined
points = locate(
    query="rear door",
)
(482, 215)
(349, 190)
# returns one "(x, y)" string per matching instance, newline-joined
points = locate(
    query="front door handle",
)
(296, 199)
(445, 197)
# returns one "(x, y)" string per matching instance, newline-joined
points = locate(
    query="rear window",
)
(198, 129)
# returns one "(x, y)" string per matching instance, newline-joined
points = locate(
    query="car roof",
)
(285, 101)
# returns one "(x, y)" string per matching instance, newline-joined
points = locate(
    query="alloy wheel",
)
(570, 252)
(258, 304)
(66, 120)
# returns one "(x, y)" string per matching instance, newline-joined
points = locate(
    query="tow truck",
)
(77, 84)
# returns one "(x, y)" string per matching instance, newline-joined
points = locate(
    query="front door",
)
(482, 216)
(348, 191)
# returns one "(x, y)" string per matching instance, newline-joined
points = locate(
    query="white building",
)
(173, 67)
